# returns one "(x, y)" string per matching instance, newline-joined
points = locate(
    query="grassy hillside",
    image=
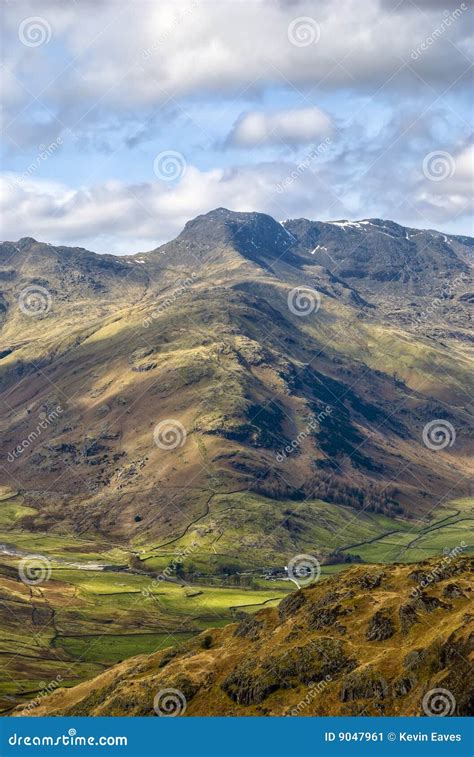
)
(370, 642)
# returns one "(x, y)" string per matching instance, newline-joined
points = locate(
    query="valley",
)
(177, 425)
(99, 606)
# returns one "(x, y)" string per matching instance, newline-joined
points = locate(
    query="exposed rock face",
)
(371, 580)
(380, 627)
(249, 628)
(246, 686)
(313, 662)
(291, 604)
(430, 603)
(408, 616)
(453, 591)
(403, 686)
(408, 612)
(321, 617)
(364, 684)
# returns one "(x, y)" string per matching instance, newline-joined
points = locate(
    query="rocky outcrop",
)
(380, 627)
(249, 627)
(319, 660)
(321, 617)
(247, 686)
(408, 616)
(371, 580)
(290, 605)
(453, 591)
(364, 684)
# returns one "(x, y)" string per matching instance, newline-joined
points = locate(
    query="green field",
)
(111, 649)
(79, 621)
(226, 535)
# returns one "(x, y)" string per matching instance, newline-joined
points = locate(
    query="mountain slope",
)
(289, 407)
(370, 642)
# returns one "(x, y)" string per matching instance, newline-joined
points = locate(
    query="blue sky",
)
(123, 120)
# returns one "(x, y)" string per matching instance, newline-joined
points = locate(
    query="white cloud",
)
(117, 73)
(450, 193)
(110, 57)
(292, 126)
(123, 218)
(464, 164)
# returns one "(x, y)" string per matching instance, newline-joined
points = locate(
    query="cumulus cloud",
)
(292, 126)
(122, 56)
(133, 79)
(445, 190)
(123, 218)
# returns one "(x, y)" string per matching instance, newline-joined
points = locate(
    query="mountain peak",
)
(256, 236)
(26, 242)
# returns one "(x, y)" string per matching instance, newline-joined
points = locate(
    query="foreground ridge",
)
(373, 641)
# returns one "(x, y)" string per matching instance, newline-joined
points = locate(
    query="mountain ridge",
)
(225, 212)
(178, 425)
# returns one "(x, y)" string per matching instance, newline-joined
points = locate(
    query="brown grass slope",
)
(369, 642)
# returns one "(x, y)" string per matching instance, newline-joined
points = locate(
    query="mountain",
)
(372, 252)
(178, 425)
(296, 364)
(369, 642)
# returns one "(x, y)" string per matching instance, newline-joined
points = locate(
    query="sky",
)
(123, 120)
